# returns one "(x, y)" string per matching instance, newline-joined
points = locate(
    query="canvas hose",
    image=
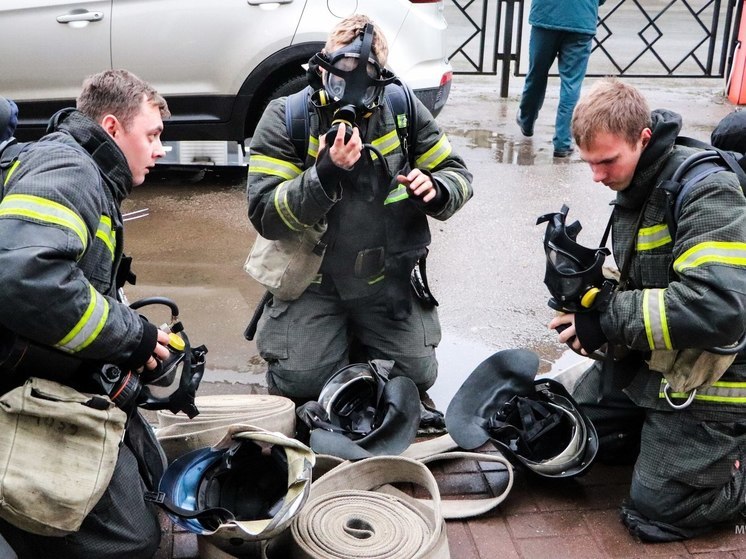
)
(439, 449)
(353, 511)
(179, 434)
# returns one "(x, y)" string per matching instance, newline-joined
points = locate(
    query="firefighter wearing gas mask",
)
(356, 181)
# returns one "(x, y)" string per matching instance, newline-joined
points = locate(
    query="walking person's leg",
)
(572, 62)
(542, 50)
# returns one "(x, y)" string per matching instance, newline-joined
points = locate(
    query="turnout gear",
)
(61, 231)
(360, 412)
(72, 182)
(683, 291)
(534, 422)
(376, 233)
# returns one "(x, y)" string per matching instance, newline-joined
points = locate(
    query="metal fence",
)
(654, 38)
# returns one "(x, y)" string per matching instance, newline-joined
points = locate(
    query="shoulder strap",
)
(9, 153)
(401, 103)
(692, 171)
(297, 121)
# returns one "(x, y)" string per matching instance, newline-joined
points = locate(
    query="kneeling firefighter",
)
(342, 178)
(43, 386)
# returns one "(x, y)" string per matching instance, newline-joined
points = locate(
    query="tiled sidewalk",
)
(539, 519)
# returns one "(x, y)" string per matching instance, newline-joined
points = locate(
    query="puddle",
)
(505, 148)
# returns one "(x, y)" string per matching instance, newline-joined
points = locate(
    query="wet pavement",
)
(486, 267)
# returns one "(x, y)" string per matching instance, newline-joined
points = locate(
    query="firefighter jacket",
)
(686, 290)
(61, 244)
(376, 231)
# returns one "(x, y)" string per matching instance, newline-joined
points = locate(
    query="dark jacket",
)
(684, 291)
(61, 244)
(577, 16)
(372, 220)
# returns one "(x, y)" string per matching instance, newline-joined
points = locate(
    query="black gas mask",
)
(574, 273)
(354, 81)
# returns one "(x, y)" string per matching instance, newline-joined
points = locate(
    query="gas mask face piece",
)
(574, 273)
(353, 87)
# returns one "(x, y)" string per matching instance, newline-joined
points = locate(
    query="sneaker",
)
(561, 153)
(527, 131)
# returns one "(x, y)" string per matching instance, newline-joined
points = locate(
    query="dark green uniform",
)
(376, 232)
(686, 290)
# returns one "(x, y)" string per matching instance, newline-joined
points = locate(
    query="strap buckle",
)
(686, 404)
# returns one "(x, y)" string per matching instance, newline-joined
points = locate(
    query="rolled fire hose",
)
(354, 512)
(179, 434)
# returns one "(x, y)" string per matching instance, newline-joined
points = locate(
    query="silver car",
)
(218, 63)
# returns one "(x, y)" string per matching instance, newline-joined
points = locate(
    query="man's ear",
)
(111, 124)
(645, 137)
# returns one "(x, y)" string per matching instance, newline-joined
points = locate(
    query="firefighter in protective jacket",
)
(682, 292)
(61, 242)
(375, 209)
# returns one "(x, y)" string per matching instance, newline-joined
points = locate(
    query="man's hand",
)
(418, 184)
(160, 351)
(344, 155)
(565, 326)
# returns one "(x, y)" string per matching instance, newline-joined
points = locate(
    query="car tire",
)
(293, 85)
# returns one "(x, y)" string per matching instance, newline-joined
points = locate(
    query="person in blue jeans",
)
(563, 31)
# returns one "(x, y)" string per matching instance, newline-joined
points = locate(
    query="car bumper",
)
(434, 98)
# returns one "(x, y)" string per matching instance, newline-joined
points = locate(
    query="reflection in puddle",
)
(505, 148)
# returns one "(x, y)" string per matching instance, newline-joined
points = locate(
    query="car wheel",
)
(293, 85)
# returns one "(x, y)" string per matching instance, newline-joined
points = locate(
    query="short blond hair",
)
(351, 27)
(613, 107)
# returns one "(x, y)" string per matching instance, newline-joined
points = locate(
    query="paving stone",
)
(460, 541)
(578, 547)
(568, 523)
(492, 537)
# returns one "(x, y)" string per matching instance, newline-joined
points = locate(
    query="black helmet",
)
(574, 273)
(361, 412)
(534, 422)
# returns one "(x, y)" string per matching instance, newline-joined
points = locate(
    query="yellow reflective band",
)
(313, 147)
(271, 166)
(386, 143)
(10, 171)
(317, 279)
(106, 235)
(376, 279)
(654, 319)
(721, 392)
(45, 211)
(284, 211)
(653, 237)
(459, 179)
(89, 326)
(432, 157)
(712, 252)
(397, 195)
